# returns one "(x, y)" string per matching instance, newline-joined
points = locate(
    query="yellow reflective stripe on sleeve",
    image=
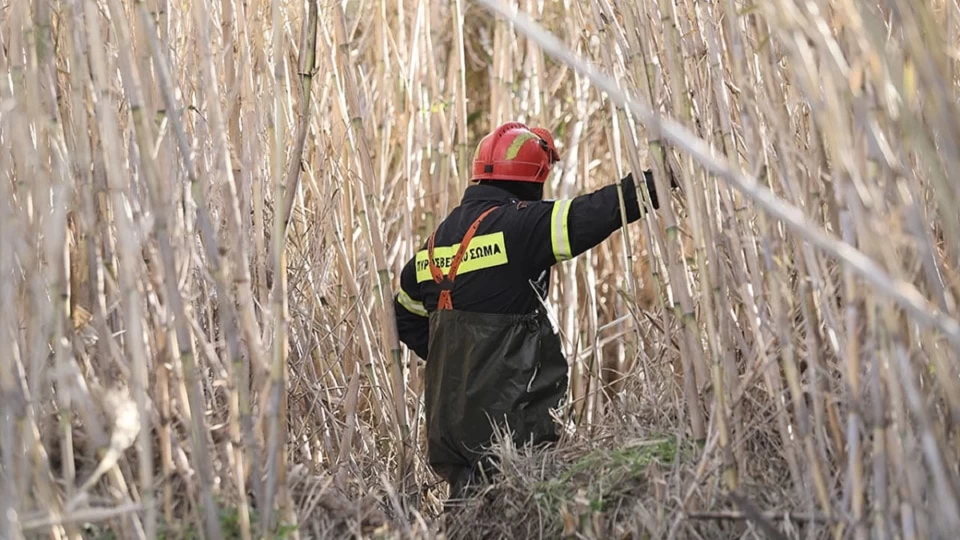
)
(410, 304)
(486, 251)
(559, 231)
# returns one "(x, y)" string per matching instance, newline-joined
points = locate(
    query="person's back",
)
(509, 260)
(473, 312)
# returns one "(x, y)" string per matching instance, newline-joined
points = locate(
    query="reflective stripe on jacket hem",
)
(410, 304)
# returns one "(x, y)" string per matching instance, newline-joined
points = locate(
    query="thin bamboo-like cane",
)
(12, 398)
(387, 325)
(274, 411)
(249, 324)
(307, 67)
(724, 369)
(463, 170)
(128, 247)
(676, 277)
(679, 280)
(40, 225)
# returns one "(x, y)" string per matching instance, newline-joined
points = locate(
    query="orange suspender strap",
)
(446, 282)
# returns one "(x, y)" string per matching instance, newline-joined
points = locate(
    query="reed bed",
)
(205, 206)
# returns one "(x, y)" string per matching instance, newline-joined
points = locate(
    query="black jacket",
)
(514, 246)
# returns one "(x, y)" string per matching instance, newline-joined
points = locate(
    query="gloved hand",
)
(651, 186)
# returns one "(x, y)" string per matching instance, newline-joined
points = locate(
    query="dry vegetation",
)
(205, 204)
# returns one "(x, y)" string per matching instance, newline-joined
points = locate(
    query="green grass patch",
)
(604, 475)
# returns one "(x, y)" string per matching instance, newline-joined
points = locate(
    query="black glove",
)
(629, 186)
(630, 191)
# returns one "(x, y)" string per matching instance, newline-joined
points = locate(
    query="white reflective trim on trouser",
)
(559, 231)
(410, 304)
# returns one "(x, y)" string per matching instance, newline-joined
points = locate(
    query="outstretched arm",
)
(563, 229)
(413, 327)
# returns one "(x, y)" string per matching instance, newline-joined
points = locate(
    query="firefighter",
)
(471, 301)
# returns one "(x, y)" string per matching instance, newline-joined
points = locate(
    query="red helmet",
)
(515, 152)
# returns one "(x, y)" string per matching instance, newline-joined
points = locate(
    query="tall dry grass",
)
(204, 208)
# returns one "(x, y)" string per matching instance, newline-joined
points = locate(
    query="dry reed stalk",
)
(855, 464)
(160, 198)
(285, 191)
(679, 276)
(585, 371)
(631, 46)
(667, 242)
(273, 413)
(74, 116)
(744, 261)
(230, 54)
(252, 152)
(768, 78)
(636, 293)
(39, 224)
(616, 134)
(232, 270)
(803, 427)
(725, 370)
(463, 169)
(240, 399)
(351, 367)
(306, 71)
(434, 131)
(373, 214)
(127, 247)
(10, 393)
(595, 362)
(145, 143)
(86, 515)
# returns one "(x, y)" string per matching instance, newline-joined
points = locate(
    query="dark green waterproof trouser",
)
(485, 369)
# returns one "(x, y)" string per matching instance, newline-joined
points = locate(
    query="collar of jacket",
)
(479, 192)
